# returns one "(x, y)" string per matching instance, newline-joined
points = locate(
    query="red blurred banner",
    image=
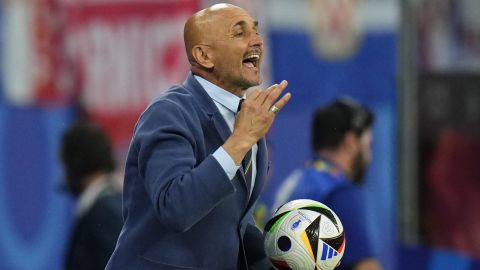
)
(124, 53)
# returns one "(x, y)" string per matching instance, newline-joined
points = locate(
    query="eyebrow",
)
(244, 24)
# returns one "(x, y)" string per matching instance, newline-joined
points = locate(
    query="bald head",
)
(224, 47)
(198, 28)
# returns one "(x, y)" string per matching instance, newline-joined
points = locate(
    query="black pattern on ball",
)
(284, 243)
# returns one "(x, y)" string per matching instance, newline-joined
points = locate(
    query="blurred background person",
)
(88, 164)
(341, 141)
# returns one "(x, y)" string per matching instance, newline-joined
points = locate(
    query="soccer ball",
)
(304, 234)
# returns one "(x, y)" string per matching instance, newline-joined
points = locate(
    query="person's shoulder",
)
(111, 202)
(349, 196)
(175, 103)
(324, 178)
(176, 96)
(174, 111)
(105, 212)
(304, 182)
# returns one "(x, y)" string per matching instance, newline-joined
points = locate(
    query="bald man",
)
(197, 162)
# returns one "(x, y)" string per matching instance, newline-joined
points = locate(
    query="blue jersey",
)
(326, 183)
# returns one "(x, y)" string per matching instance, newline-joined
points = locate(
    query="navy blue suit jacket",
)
(181, 210)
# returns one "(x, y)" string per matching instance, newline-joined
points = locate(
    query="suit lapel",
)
(224, 132)
(217, 122)
(208, 107)
(220, 126)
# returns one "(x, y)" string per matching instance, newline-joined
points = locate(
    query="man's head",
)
(85, 152)
(223, 46)
(342, 131)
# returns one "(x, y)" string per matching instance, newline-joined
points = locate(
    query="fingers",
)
(257, 114)
(273, 93)
(280, 103)
(254, 94)
(267, 97)
(265, 100)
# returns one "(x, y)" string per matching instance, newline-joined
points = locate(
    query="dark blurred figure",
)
(341, 141)
(88, 164)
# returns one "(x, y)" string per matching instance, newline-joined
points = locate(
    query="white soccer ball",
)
(304, 234)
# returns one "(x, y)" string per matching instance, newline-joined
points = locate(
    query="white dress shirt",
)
(227, 104)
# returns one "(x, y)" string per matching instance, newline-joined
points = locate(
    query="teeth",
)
(254, 56)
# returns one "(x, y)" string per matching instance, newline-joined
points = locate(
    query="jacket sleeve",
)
(253, 241)
(174, 178)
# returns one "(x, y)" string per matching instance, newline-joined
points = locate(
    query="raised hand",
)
(255, 119)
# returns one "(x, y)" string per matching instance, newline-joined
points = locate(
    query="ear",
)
(202, 55)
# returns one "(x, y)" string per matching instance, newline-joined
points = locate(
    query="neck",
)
(96, 179)
(340, 159)
(209, 76)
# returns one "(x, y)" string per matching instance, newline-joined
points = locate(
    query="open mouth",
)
(251, 60)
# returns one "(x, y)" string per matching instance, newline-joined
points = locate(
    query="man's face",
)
(363, 157)
(237, 50)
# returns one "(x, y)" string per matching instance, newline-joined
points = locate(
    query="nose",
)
(256, 40)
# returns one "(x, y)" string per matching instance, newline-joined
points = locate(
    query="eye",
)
(238, 34)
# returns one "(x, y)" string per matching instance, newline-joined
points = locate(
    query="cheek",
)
(367, 153)
(368, 158)
(232, 62)
(366, 145)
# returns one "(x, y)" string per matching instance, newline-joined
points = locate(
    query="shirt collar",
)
(321, 163)
(91, 194)
(220, 95)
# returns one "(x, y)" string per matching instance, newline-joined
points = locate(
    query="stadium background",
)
(108, 58)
